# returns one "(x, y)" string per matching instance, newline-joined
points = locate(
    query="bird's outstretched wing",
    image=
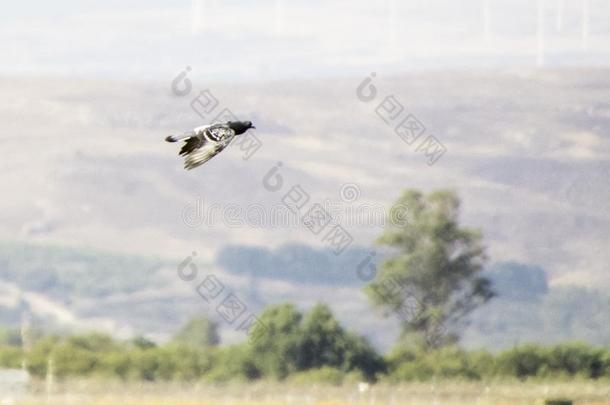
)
(203, 147)
(191, 144)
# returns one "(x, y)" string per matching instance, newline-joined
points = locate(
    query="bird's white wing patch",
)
(202, 128)
(219, 132)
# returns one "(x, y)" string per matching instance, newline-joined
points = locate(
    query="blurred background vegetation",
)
(300, 347)
(432, 277)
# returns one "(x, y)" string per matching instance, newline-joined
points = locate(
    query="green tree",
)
(199, 332)
(432, 279)
(94, 342)
(324, 342)
(37, 358)
(142, 342)
(182, 363)
(276, 352)
(576, 358)
(522, 362)
(237, 362)
(293, 342)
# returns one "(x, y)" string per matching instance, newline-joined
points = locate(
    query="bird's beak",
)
(253, 127)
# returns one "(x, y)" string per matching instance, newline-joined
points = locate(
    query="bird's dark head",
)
(240, 126)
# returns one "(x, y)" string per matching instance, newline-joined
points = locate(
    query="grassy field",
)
(275, 394)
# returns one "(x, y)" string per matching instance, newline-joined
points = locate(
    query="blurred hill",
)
(527, 152)
(67, 289)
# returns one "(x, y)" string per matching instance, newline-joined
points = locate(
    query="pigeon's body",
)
(205, 142)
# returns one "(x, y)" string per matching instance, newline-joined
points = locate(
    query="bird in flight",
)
(203, 143)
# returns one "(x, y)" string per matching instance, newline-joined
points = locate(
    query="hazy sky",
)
(275, 39)
(527, 149)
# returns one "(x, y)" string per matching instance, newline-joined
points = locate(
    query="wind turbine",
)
(197, 12)
(487, 21)
(559, 20)
(585, 25)
(391, 23)
(540, 34)
(279, 16)
(26, 335)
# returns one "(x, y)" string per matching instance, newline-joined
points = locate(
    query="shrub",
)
(11, 357)
(575, 358)
(322, 375)
(521, 362)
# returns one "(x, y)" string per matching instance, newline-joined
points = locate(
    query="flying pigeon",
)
(203, 143)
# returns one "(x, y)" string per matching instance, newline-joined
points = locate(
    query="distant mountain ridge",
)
(128, 295)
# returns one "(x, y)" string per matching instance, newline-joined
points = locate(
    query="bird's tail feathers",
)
(176, 138)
